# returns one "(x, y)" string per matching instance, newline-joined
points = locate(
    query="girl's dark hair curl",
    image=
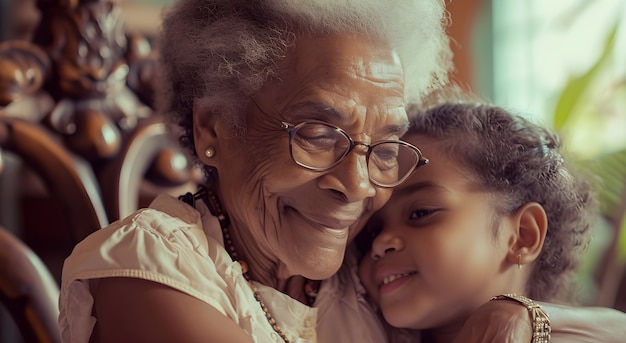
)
(520, 162)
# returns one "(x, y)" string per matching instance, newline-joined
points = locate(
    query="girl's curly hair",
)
(520, 162)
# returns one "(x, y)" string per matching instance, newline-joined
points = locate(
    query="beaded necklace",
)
(215, 208)
(244, 269)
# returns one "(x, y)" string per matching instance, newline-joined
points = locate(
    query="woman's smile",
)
(329, 224)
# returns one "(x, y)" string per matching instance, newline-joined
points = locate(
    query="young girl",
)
(495, 211)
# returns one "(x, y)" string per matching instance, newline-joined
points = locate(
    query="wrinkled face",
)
(299, 218)
(435, 258)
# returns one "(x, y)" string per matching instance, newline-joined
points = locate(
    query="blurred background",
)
(561, 63)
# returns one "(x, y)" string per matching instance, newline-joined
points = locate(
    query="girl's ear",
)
(531, 225)
(205, 133)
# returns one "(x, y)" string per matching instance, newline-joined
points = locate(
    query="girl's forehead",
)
(444, 170)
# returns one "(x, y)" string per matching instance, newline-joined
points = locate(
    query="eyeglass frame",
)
(293, 128)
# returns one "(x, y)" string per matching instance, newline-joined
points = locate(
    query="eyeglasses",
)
(319, 146)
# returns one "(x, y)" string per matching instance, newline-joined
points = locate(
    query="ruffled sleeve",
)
(155, 246)
(176, 245)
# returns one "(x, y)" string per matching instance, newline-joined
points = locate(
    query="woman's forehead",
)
(359, 84)
(334, 57)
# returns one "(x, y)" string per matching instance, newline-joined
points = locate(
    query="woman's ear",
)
(531, 225)
(205, 133)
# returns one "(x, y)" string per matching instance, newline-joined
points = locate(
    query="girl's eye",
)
(417, 214)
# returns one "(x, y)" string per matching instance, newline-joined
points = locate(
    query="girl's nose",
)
(386, 243)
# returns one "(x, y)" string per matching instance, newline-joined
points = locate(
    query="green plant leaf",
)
(611, 169)
(621, 252)
(577, 86)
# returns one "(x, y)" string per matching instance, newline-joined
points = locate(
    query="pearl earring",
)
(209, 152)
(519, 257)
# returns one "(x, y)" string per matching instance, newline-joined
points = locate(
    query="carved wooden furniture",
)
(76, 109)
(76, 112)
(28, 291)
(69, 179)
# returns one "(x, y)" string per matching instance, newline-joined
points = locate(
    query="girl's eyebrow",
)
(325, 112)
(417, 187)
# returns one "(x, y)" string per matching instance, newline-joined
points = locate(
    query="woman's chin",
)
(324, 266)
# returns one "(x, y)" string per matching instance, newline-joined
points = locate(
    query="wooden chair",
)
(28, 291)
(149, 152)
(69, 179)
(76, 111)
(76, 105)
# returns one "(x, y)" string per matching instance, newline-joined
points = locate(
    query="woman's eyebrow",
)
(397, 129)
(320, 111)
(325, 112)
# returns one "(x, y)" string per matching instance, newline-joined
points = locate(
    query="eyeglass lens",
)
(320, 146)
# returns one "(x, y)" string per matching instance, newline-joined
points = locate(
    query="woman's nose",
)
(350, 178)
(386, 243)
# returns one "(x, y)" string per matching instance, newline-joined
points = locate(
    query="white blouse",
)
(176, 245)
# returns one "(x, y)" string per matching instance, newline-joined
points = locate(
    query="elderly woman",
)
(295, 109)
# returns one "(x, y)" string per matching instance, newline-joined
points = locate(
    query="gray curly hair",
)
(220, 51)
